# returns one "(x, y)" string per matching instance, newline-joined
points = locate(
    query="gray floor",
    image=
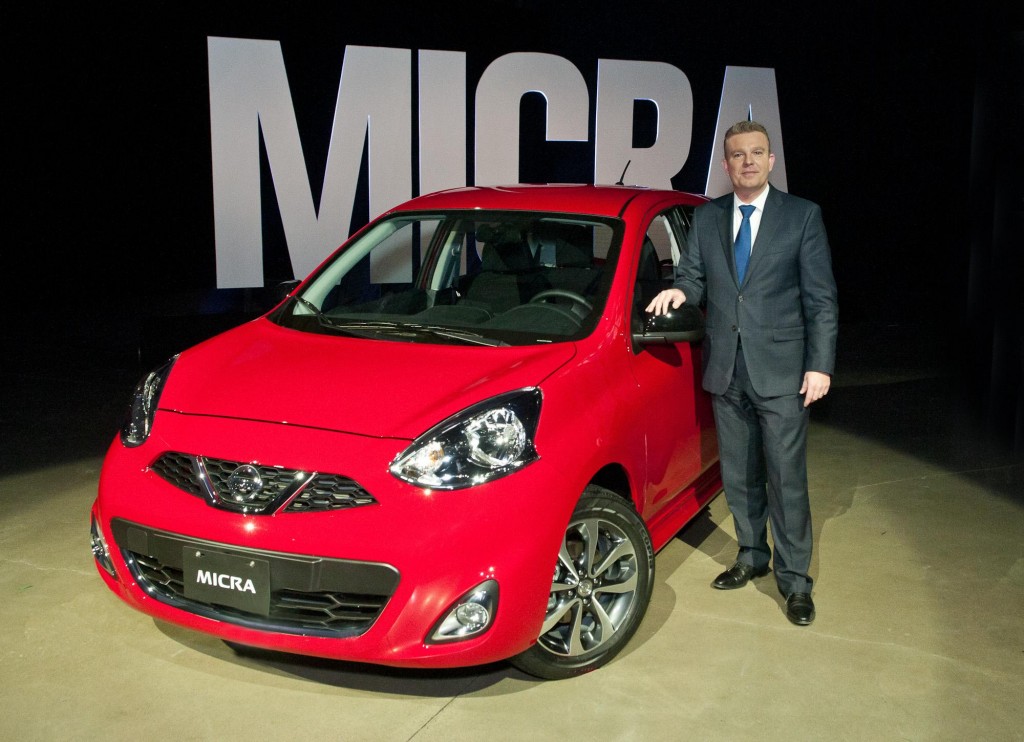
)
(919, 525)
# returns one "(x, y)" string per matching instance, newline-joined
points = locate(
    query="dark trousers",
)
(762, 443)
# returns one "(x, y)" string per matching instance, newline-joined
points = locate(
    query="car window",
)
(663, 243)
(511, 277)
(668, 233)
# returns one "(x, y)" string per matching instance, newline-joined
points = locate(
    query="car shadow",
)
(396, 681)
(701, 533)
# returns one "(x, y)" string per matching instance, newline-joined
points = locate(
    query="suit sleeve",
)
(691, 278)
(818, 295)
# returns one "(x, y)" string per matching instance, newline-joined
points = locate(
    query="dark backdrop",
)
(899, 121)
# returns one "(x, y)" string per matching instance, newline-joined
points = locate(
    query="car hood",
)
(380, 388)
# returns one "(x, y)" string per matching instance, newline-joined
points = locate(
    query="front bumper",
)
(365, 583)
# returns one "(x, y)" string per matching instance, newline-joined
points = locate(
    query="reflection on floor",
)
(919, 567)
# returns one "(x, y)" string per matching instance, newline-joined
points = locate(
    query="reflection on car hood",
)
(261, 371)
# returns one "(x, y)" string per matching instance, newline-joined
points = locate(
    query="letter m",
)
(249, 99)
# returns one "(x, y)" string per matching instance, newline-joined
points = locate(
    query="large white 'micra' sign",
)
(250, 99)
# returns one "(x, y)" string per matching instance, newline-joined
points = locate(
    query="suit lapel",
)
(726, 235)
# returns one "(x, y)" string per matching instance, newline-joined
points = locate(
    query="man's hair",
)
(746, 127)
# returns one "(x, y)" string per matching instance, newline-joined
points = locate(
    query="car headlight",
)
(479, 444)
(139, 420)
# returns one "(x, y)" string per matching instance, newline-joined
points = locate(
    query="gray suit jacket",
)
(786, 310)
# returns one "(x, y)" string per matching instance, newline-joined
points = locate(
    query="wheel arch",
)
(614, 478)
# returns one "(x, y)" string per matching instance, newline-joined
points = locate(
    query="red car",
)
(461, 440)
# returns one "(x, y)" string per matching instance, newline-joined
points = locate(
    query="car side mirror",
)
(282, 290)
(682, 325)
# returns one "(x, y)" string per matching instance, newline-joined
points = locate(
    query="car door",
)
(677, 418)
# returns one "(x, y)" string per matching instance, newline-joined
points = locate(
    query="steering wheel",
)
(580, 307)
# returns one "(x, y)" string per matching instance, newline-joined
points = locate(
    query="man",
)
(769, 352)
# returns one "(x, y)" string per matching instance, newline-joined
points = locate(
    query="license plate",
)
(227, 579)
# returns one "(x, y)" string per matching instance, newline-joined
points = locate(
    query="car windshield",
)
(467, 277)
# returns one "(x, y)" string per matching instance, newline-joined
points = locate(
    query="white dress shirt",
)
(755, 218)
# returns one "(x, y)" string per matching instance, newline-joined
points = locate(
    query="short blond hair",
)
(746, 127)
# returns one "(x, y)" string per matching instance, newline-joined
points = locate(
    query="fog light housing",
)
(471, 615)
(100, 550)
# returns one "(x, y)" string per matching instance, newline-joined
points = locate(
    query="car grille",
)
(278, 490)
(310, 596)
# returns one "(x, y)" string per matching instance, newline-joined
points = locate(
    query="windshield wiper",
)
(467, 336)
(376, 328)
(354, 329)
(313, 308)
(411, 330)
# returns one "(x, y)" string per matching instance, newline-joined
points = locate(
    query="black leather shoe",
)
(738, 575)
(800, 608)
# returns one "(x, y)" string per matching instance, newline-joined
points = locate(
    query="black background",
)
(903, 122)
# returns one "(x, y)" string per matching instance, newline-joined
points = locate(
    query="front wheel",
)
(601, 588)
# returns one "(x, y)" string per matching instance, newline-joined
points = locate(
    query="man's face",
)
(748, 162)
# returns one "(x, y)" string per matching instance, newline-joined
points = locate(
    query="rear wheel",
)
(601, 588)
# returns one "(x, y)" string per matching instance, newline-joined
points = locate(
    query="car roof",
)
(597, 200)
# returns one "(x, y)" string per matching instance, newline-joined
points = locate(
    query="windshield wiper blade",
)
(365, 329)
(355, 329)
(411, 330)
(376, 328)
(467, 336)
(313, 308)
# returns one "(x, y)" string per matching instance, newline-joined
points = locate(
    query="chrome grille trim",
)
(284, 490)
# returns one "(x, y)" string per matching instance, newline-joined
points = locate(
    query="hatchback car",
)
(459, 441)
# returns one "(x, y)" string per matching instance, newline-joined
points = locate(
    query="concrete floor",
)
(919, 527)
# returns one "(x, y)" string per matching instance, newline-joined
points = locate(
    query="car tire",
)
(595, 605)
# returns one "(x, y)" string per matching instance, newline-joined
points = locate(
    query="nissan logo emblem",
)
(245, 483)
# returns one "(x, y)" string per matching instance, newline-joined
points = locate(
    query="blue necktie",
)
(743, 242)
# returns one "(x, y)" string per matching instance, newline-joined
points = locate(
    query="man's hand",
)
(815, 386)
(661, 303)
